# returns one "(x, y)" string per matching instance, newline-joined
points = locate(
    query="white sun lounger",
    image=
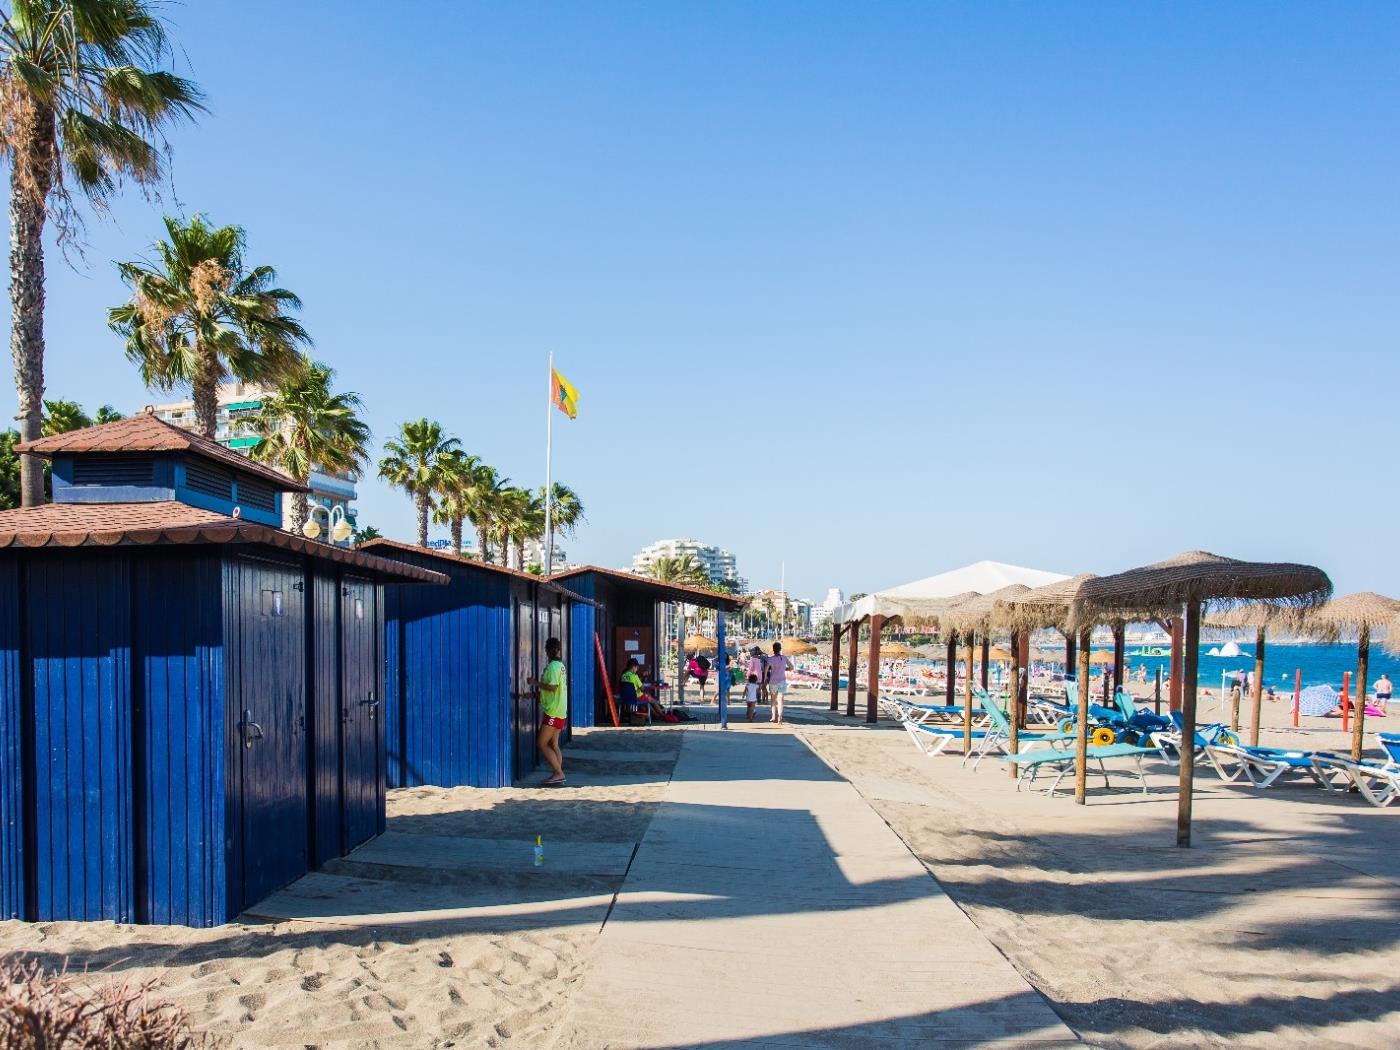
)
(1261, 766)
(931, 740)
(1380, 785)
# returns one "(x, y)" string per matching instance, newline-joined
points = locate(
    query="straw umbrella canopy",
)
(895, 649)
(1052, 606)
(1358, 612)
(929, 651)
(1196, 579)
(1262, 617)
(1101, 658)
(796, 647)
(699, 643)
(969, 619)
(999, 655)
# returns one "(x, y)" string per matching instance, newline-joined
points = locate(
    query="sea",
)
(1319, 664)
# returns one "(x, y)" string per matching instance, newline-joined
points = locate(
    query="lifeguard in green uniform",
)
(554, 704)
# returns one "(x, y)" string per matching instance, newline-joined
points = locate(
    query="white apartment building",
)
(332, 495)
(821, 612)
(718, 563)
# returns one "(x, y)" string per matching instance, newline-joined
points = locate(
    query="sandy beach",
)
(479, 955)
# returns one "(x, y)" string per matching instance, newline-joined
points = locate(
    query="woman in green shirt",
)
(554, 704)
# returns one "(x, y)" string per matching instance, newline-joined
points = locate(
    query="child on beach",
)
(751, 696)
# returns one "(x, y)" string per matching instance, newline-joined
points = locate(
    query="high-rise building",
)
(717, 562)
(821, 612)
(332, 495)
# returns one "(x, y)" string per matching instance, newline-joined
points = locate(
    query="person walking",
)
(778, 666)
(554, 704)
(1384, 689)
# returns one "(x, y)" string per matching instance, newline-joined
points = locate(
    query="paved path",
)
(768, 905)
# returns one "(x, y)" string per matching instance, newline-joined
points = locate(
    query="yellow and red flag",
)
(563, 394)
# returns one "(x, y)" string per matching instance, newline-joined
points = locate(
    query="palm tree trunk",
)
(420, 501)
(205, 390)
(301, 508)
(483, 542)
(519, 552)
(457, 536)
(27, 194)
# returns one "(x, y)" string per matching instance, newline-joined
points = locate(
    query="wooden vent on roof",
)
(211, 481)
(111, 471)
(257, 494)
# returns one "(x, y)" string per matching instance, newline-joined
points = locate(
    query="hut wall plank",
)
(11, 747)
(77, 636)
(447, 674)
(179, 753)
(583, 666)
(325, 718)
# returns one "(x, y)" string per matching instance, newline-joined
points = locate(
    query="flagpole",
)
(548, 479)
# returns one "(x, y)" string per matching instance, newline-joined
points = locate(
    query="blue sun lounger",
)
(998, 737)
(1061, 763)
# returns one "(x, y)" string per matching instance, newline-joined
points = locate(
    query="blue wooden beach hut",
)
(189, 695)
(622, 619)
(458, 706)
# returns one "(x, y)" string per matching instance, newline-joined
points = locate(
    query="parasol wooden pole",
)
(1297, 694)
(1256, 697)
(852, 658)
(1174, 683)
(1157, 693)
(1363, 661)
(1023, 684)
(1120, 653)
(986, 661)
(950, 689)
(1346, 700)
(872, 690)
(1069, 654)
(835, 665)
(1081, 722)
(1190, 659)
(967, 697)
(1013, 702)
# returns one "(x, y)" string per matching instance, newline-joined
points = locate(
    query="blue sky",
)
(873, 289)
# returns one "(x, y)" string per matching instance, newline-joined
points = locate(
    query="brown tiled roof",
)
(665, 590)
(151, 524)
(146, 433)
(379, 543)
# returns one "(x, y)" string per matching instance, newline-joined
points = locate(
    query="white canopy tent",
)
(921, 598)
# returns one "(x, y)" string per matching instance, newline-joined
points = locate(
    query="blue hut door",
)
(526, 712)
(273, 819)
(362, 709)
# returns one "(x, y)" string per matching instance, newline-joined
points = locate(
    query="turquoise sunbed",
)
(999, 736)
(1061, 763)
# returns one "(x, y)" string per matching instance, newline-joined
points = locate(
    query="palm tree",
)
(682, 569)
(458, 489)
(302, 427)
(511, 516)
(529, 526)
(62, 416)
(363, 536)
(106, 414)
(414, 462)
(566, 510)
(198, 317)
(83, 109)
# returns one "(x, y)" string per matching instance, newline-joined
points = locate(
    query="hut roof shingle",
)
(663, 590)
(146, 433)
(65, 525)
(380, 543)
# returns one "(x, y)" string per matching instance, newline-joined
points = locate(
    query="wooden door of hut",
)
(272, 818)
(362, 724)
(528, 657)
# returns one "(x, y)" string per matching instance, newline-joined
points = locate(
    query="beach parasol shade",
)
(1101, 657)
(1047, 606)
(974, 616)
(931, 652)
(699, 643)
(997, 655)
(895, 649)
(1360, 613)
(1195, 580)
(796, 647)
(1161, 589)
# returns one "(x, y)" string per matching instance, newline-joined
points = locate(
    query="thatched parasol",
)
(1263, 618)
(796, 647)
(998, 655)
(895, 649)
(929, 651)
(1358, 612)
(1101, 658)
(1196, 580)
(698, 643)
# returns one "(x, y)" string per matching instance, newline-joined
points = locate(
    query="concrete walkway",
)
(768, 905)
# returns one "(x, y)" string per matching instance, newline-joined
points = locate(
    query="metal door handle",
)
(372, 703)
(250, 728)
